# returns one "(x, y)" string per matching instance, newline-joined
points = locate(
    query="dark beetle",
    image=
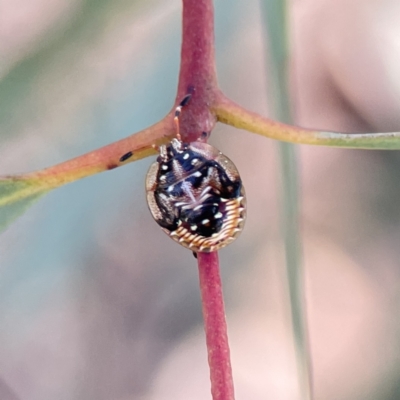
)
(196, 195)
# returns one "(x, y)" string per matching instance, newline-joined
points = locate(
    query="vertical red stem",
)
(197, 73)
(197, 76)
(215, 327)
(197, 51)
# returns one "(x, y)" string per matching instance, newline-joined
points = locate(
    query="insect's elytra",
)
(195, 194)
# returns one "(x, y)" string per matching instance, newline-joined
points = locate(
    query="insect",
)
(195, 194)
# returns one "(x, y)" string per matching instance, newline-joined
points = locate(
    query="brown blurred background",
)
(96, 303)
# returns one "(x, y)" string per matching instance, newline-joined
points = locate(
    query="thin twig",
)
(230, 113)
(277, 36)
(215, 327)
(197, 74)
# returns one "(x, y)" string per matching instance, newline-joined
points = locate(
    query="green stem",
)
(277, 34)
(230, 113)
(294, 268)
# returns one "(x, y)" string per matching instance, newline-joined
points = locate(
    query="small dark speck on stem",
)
(126, 156)
(186, 100)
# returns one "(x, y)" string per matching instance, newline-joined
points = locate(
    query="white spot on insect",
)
(210, 171)
(186, 156)
(195, 161)
(205, 221)
(164, 168)
(170, 188)
(218, 215)
(193, 227)
(197, 174)
(163, 177)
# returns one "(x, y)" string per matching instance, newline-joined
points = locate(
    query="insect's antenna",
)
(178, 111)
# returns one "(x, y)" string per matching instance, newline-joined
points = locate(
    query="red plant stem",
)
(215, 327)
(197, 74)
(198, 77)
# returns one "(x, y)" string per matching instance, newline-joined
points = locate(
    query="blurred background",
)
(96, 303)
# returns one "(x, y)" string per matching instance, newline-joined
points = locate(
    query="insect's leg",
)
(178, 111)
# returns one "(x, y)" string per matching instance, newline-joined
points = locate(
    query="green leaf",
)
(16, 196)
